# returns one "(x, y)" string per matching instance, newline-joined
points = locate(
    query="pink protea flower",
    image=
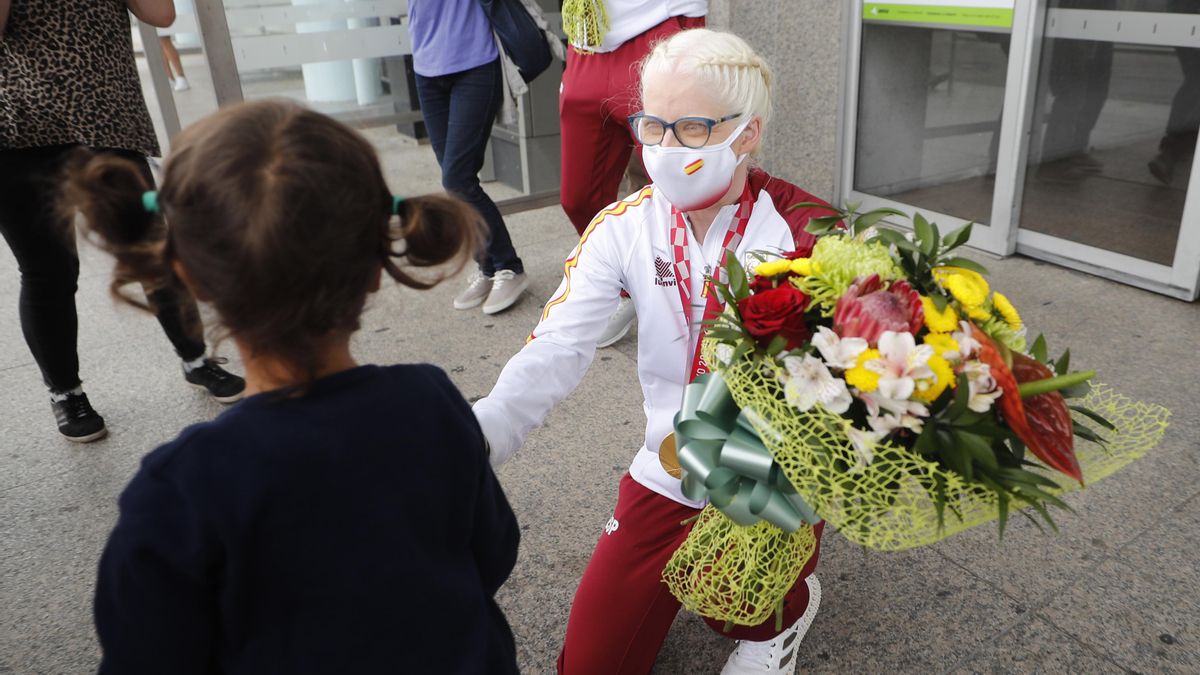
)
(870, 307)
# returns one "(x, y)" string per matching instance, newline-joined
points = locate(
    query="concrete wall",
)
(802, 40)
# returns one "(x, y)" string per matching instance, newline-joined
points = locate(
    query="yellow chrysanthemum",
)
(1006, 310)
(942, 343)
(805, 267)
(967, 286)
(943, 376)
(773, 268)
(978, 313)
(945, 321)
(859, 376)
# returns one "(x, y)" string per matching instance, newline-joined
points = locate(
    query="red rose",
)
(777, 311)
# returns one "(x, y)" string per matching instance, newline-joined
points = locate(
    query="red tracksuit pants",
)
(622, 610)
(599, 93)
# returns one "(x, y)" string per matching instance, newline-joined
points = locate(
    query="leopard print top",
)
(67, 76)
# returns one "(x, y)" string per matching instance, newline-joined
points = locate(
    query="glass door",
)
(1111, 143)
(931, 107)
(1065, 129)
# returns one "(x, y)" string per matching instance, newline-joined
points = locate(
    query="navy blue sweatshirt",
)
(355, 529)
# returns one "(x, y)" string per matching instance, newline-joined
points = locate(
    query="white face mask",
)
(694, 178)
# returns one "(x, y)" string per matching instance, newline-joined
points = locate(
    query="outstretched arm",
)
(5, 5)
(561, 348)
(157, 13)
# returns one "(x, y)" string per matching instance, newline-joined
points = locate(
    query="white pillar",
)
(368, 84)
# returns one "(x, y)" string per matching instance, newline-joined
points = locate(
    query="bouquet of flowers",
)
(898, 398)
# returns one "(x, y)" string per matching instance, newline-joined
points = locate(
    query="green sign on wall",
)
(947, 13)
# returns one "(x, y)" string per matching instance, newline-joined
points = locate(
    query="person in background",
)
(342, 518)
(458, 76)
(706, 98)
(599, 91)
(171, 58)
(68, 81)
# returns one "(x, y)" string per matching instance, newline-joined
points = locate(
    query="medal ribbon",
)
(683, 271)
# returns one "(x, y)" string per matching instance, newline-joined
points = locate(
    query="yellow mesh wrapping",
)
(585, 22)
(887, 505)
(728, 572)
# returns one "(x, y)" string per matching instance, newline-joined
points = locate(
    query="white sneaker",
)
(777, 656)
(478, 287)
(507, 287)
(181, 84)
(620, 323)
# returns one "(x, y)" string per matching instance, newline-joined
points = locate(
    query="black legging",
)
(44, 245)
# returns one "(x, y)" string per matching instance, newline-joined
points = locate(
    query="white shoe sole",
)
(89, 438)
(219, 399)
(469, 305)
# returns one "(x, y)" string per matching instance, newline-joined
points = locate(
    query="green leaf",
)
(939, 502)
(1086, 433)
(737, 277)
(965, 263)
(1094, 416)
(925, 444)
(1063, 362)
(776, 345)
(957, 238)
(962, 398)
(817, 229)
(940, 301)
(924, 234)
(979, 450)
(1038, 350)
(812, 205)
(897, 239)
(871, 217)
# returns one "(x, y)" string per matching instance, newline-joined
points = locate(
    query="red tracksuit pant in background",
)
(599, 93)
(623, 610)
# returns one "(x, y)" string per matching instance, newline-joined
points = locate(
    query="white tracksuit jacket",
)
(627, 247)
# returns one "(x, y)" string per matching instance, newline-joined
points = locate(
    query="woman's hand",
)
(157, 13)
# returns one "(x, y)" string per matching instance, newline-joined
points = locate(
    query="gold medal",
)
(668, 456)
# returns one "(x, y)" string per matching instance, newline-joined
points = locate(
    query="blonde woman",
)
(706, 102)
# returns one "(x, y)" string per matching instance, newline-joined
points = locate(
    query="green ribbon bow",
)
(725, 461)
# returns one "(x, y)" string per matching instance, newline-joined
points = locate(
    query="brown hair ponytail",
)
(432, 230)
(107, 190)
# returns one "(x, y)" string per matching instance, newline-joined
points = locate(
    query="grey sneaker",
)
(478, 287)
(507, 287)
(620, 323)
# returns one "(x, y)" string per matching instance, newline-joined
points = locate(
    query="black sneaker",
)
(77, 420)
(218, 382)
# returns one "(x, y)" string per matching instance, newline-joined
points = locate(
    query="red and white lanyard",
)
(683, 272)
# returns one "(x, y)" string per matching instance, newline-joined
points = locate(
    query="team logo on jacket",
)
(611, 526)
(693, 167)
(663, 274)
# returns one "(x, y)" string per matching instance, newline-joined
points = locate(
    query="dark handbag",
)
(520, 37)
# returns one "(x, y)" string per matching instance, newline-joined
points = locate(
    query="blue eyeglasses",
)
(691, 132)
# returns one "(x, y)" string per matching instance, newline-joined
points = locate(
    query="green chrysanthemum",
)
(838, 262)
(1000, 331)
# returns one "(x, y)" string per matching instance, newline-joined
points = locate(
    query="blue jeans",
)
(459, 109)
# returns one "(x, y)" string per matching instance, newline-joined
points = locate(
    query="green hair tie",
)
(397, 200)
(150, 202)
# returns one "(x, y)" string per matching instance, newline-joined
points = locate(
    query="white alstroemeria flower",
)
(967, 345)
(983, 388)
(724, 353)
(878, 405)
(808, 382)
(888, 423)
(863, 442)
(838, 352)
(902, 362)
